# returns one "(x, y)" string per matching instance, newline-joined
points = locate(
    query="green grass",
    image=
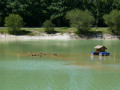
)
(3, 30)
(65, 30)
(59, 30)
(69, 30)
(102, 30)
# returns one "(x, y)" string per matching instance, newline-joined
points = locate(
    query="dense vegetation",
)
(113, 21)
(14, 23)
(82, 20)
(35, 12)
(49, 26)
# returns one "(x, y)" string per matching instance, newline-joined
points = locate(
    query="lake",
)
(63, 65)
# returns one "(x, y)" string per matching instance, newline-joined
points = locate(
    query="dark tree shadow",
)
(20, 32)
(89, 34)
(53, 32)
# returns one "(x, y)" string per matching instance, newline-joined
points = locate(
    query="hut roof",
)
(100, 46)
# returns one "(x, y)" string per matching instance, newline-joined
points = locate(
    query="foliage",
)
(0, 19)
(14, 22)
(35, 12)
(49, 26)
(113, 21)
(80, 19)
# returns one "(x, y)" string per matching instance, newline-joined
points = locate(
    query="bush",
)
(49, 26)
(14, 22)
(64, 27)
(113, 21)
(80, 19)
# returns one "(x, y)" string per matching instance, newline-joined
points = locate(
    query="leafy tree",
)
(116, 4)
(49, 26)
(58, 9)
(80, 19)
(35, 12)
(113, 21)
(14, 22)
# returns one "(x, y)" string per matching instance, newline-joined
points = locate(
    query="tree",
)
(116, 4)
(113, 21)
(35, 12)
(58, 9)
(80, 19)
(49, 26)
(14, 22)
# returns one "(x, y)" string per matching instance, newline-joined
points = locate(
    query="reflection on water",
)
(100, 57)
(72, 69)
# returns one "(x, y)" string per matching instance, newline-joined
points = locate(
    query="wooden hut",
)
(99, 48)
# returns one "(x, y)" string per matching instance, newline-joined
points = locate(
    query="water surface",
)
(72, 69)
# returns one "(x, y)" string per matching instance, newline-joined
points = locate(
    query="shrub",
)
(64, 27)
(49, 26)
(80, 19)
(113, 21)
(14, 22)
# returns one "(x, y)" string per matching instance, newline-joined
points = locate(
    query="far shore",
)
(59, 36)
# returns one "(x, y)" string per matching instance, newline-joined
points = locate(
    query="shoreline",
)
(59, 36)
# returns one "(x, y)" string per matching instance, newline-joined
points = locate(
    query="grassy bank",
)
(59, 30)
(70, 30)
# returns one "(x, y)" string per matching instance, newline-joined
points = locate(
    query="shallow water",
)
(73, 68)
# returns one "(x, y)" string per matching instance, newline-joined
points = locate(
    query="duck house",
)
(100, 50)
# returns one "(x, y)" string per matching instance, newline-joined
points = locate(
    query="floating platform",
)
(101, 53)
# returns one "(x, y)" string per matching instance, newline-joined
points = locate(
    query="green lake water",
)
(73, 68)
